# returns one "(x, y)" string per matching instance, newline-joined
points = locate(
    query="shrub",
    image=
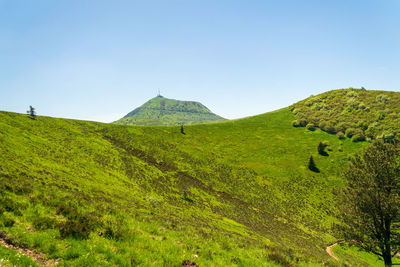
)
(387, 137)
(296, 111)
(373, 130)
(362, 106)
(322, 125)
(358, 137)
(383, 99)
(313, 100)
(340, 135)
(350, 132)
(79, 226)
(319, 106)
(117, 229)
(347, 110)
(66, 210)
(311, 126)
(380, 115)
(329, 128)
(352, 103)
(343, 126)
(351, 94)
(321, 148)
(363, 125)
(311, 165)
(299, 123)
(8, 222)
(43, 223)
(309, 103)
(303, 122)
(8, 204)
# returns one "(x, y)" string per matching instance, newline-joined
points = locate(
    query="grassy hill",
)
(235, 193)
(164, 111)
(355, 113)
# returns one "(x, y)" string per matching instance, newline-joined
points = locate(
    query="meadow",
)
(232, 193)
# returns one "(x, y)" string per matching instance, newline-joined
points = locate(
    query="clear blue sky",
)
(98, 60)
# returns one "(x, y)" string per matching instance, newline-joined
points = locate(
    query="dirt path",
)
(38, 257)
(329, 250)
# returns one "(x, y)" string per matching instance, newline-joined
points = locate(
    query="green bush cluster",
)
(116, 228)
(78, 224)
(355, 113)
(41, 222)
(387, 136)
(311, 126)
(383, 98)
(358, 137)
(340, 135)
(10, 205)
(8, 222)
(299, 123)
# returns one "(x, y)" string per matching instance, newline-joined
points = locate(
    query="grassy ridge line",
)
(235, 172)
(175, 110)
(171, 104)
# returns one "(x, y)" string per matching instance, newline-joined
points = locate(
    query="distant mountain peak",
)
(164, 111)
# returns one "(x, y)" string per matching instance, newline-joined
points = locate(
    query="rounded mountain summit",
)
(164, 111)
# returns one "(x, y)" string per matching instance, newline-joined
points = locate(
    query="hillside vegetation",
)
(235, 193)
(164, 111)
(354, 113)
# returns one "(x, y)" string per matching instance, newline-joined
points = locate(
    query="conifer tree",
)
(321, 149)
(31, 112)
(311, 165)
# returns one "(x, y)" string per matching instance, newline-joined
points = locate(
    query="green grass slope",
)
(236, 193)
(355, 113)
(164, 111)
(10, 258)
